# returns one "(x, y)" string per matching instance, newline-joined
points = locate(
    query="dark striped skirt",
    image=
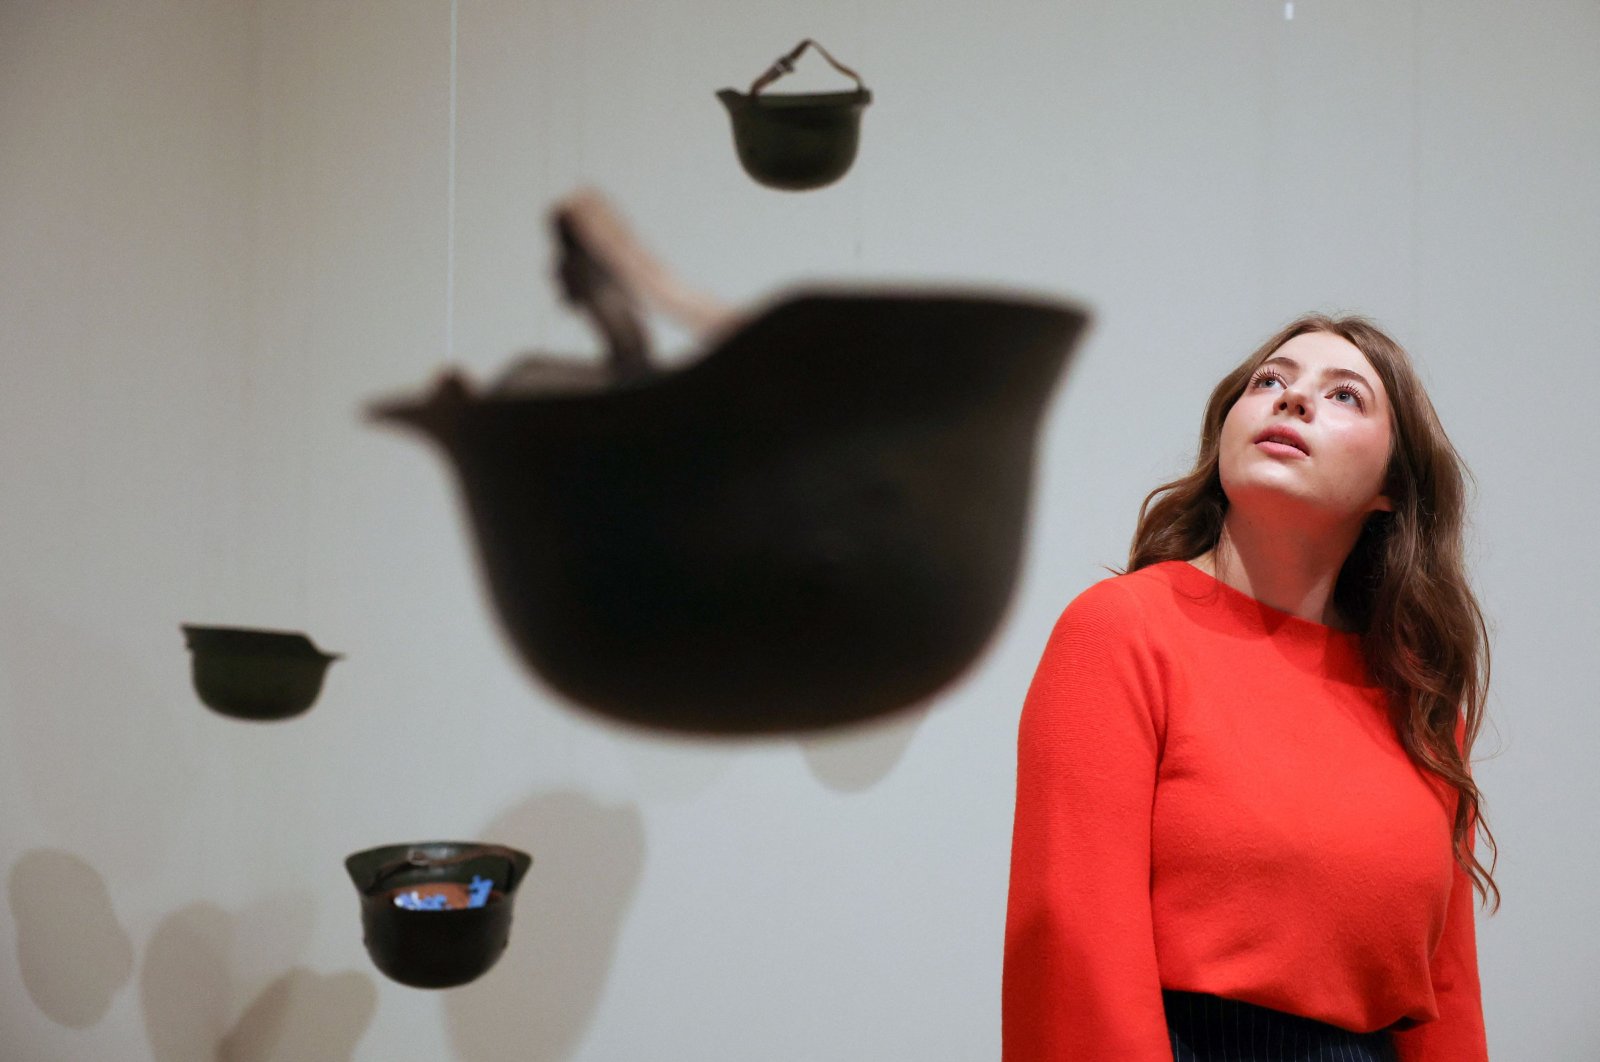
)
(1212, 1029)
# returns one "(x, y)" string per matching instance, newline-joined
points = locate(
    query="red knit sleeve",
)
(1457, 1035)
(1080, 979)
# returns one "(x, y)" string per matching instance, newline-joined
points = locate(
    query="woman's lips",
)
(1280, 449)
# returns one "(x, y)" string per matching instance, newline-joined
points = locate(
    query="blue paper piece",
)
(477, 896)
(411, 901)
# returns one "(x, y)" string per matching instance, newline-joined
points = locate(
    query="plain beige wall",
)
(224, 227)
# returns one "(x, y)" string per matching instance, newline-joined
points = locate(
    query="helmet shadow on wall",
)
(303, 1015)
(858, 758)
(201, 959)
(539, 999)
(73, 952)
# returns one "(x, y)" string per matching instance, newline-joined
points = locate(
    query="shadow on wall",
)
(73, 952)
(537, 1002)
(200, 956)
(852, 760)
(849, 759)
(303, 1016)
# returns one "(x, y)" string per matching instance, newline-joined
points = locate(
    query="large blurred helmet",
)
(817, 521)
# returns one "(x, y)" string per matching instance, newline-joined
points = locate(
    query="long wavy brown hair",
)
(1403, 585)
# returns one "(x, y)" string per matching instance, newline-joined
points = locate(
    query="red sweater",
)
(1210, 797)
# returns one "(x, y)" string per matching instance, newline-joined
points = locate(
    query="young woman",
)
(1245, 819)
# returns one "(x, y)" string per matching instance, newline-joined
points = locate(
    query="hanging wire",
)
(545, 24)
(1416, 168)
(450, 208)
(860, 189)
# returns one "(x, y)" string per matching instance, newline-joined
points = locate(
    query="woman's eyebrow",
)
(1339, 373)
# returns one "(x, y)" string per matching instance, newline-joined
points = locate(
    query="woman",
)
(1245, 819)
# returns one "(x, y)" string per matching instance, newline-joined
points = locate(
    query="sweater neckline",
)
(1314, 648)
(1239, 599)
(1317, 649)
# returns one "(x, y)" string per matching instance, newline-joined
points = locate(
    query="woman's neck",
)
(1291, 572)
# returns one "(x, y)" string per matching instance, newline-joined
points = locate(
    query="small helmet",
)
(796, 141)
(247, 673)
(444, 944)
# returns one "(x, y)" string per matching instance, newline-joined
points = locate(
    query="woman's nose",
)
(1293, 401)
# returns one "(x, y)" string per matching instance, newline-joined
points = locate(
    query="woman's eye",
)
(1352, 392)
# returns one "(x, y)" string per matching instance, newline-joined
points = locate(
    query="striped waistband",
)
(1206, 1028)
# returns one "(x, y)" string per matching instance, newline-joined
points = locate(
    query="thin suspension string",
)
(450, 211)
(860, 189)
(1416, 169)
(545, 23)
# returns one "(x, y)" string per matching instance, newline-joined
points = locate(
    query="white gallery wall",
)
(225, 227)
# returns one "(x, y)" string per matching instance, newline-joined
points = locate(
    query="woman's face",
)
(1321, 395)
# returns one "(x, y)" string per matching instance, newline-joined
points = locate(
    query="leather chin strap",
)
(785, 65)
(588, 283)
